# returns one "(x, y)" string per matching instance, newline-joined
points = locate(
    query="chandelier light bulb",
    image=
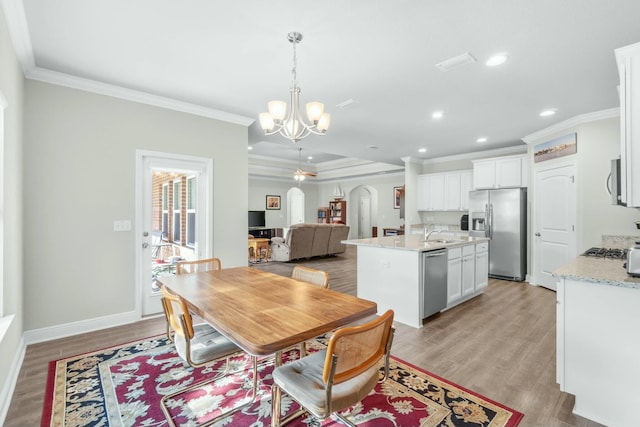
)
(277, 109)
(266, 122)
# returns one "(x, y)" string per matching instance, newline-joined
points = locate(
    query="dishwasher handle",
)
(431, 254)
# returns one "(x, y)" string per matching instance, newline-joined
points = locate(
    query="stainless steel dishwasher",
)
(434, 281)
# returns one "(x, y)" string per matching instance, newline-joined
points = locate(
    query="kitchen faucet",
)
(429, 233)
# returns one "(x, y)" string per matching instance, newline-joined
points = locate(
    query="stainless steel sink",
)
(439, 241)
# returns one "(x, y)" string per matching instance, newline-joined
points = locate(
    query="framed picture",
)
(559, 147)
(397, 194)
(273, 203)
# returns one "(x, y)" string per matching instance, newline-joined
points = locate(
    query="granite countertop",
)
(605, 271)
(414, 242)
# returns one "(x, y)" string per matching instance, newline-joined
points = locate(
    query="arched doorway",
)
(364, 211)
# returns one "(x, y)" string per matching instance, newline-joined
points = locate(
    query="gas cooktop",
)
(606, 253)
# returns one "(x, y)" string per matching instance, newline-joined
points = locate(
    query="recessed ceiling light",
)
(250, 147)
(496, 60)
(310, 158)
(437, 115)
(422, 150)
(482, 139)
(373, 147)
(547, 113)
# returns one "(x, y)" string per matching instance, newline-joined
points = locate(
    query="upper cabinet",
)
(447, 191)
(500, 172)
(628, 59)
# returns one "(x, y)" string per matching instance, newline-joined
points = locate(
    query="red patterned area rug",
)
(123, 385)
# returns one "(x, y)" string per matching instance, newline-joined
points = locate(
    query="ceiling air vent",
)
(456, 62)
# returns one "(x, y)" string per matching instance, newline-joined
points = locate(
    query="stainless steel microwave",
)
(614, 185)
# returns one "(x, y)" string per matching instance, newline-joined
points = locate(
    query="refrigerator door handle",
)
(490, 222)
(487, 220)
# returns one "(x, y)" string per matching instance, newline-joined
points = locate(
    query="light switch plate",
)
(122, 225)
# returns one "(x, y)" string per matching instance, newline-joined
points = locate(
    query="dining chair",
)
(208, 264)
(340, 376)
(310, 275)
(199, 345)
(315, 277)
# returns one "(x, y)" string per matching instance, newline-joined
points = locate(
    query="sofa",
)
(309, 240)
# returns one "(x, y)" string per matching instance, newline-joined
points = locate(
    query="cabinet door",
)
(484, 174)
(468, 273)
(452, 192)
(436, 192)
(509, 172)
(454, 280)
(482, 270)
(466, 185)
(422, 189)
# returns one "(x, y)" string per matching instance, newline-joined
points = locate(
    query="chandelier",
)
(293, 126)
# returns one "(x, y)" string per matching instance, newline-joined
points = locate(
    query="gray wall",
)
(80, 176)
(12, 89)
(260, 188)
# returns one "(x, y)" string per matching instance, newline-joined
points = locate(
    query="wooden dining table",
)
(265, 313)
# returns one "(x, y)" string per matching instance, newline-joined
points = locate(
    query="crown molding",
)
(571, 123)
(516, 149)
(19, 32)
(67, 80)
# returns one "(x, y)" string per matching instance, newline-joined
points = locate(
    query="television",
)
(256, 219)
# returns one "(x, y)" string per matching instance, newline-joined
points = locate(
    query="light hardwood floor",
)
(500, 344)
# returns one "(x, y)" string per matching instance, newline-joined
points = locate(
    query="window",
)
(165, 210)
(177, 206)
(192, 188)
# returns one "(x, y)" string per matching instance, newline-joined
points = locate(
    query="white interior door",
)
(555, 237)
(157, 252)
(295, 197)
(364, 218)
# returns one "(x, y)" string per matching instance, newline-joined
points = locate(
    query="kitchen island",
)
(393, 272)
(597, 339)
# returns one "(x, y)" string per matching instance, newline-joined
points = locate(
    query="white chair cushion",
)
(207, 344)
(302, 380)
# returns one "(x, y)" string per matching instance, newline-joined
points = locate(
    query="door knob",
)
(145, 245)
(537, 234)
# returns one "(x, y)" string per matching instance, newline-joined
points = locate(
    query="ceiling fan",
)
(301, 174)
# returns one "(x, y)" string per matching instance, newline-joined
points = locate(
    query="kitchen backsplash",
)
(619, 242)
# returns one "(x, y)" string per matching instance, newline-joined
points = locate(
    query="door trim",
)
(157, 159)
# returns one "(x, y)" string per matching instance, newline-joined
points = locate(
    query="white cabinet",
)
(422, 189)
(447, 191)
(467, 275)
(468, 270)
(466, 185)
(482, 266)
(628, 59)
(500, 172)
(454, 275)
(451, 190)
(436, 192)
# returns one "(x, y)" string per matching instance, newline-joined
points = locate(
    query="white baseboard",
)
(61, 331)
(10, 385)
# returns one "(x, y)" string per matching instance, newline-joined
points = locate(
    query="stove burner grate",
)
(606, 253)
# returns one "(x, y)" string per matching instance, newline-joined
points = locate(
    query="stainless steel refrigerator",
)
(501, 215)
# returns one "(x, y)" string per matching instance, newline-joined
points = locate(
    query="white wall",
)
(598, 143)
(12, 90)
(385, 216)
(260, 188)
(79, 177)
